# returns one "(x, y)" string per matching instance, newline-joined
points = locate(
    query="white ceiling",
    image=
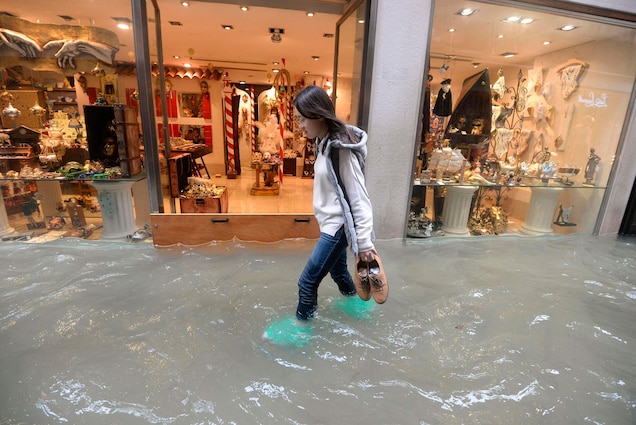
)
(247, 52)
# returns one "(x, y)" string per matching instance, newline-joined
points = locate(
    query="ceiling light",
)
(327, 35)
(361, 21)
(526, 21)
(185, 4)
(245, 8)
(568, 27)
(443, 69)
(315, 57)
(451, 30)
(500, 36)
(306, 72)
(227, 27)
(508, 55)
(476, 64)
(512, 19)
(123, 23)
(276, 34)
(187, 65)
(176, 56)
(275, 63)
(310, 14)
(467, 12)
(275, 70)
(545, 43)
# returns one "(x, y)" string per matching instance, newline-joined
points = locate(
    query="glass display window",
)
(521, 102)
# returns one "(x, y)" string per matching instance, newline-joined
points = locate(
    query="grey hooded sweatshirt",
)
(346, 203)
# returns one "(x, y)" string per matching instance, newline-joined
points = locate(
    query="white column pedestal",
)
(116, 203)
(51, 196)
(541, 211)
(5, 229)
(457, 209)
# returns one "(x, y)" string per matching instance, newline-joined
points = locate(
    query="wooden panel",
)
(197, 229)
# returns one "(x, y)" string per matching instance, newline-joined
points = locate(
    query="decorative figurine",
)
(590, 168)
(563, 217)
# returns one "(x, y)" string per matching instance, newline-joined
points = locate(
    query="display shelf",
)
(115, 197)
(452, 206)
(54, 95)
(552, 183)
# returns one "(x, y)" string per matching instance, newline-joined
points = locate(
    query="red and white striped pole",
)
(229, 129)
(253, 131)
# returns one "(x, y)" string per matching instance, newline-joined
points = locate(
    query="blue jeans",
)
(329, 256)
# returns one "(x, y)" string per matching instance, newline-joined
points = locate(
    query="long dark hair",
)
(312, 102)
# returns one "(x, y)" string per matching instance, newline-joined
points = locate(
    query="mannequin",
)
(444, 102)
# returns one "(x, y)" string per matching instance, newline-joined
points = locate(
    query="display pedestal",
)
(5, 229)
(457, 210)
(116, 203)
(541, 211)
(269, 187)
(51, 197)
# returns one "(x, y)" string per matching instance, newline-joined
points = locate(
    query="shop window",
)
(523, 118)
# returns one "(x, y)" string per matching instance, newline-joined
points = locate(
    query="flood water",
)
(485, 330)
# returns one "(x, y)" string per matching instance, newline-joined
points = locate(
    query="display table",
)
(457, 210)
(269, 186)
(541, 210)
(197, 152)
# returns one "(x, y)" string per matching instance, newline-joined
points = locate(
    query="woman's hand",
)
(367, 256)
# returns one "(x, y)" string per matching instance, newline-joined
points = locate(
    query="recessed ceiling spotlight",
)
(245, 8)
(500, 36)
(315, 57)
(361, 21)
(227, 27)
(241, 82)
(512, 19)
(467, 12)
(275, 70)
(526, 21)
(306, 72)
(451, 30)
(275, 63)
(545, 43)
(123, 23)
(310, 14)
(185, 3)
(327, 35)
(187, 65)
(476, 64)
(568, 27)
(508, 55)
(176, 56)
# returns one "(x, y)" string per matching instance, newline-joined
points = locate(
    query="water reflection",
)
(486, 330)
